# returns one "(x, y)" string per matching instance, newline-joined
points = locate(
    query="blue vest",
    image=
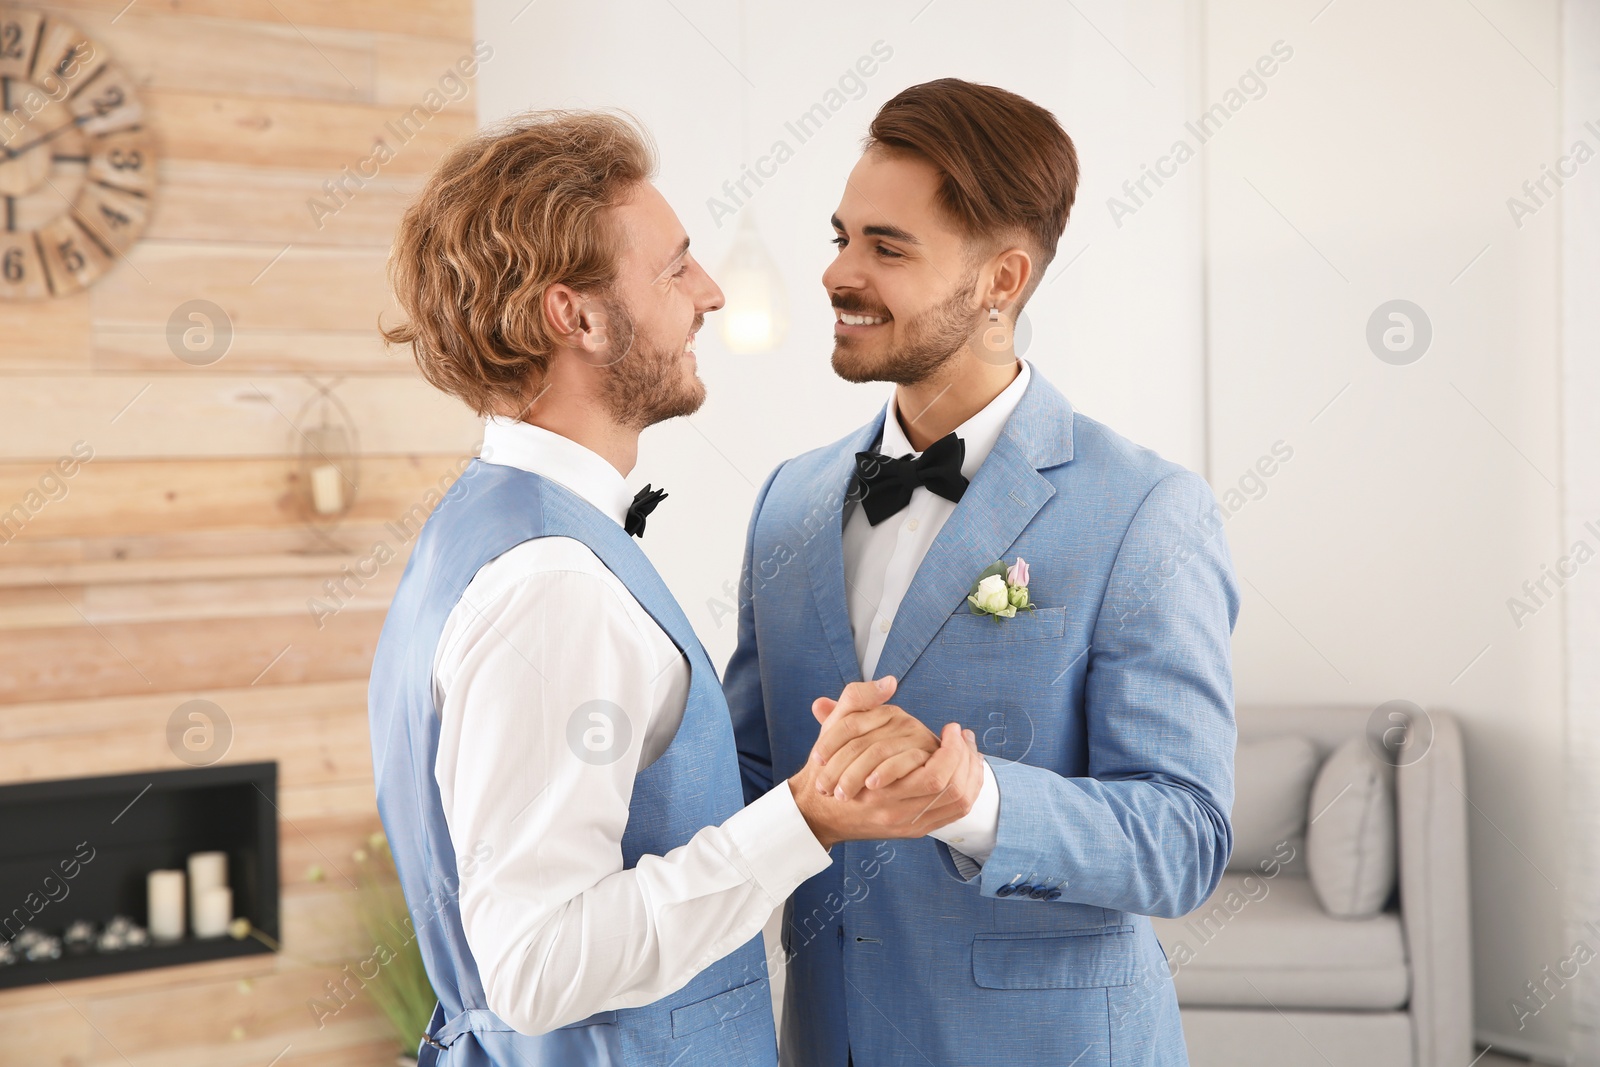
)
(724, 1014)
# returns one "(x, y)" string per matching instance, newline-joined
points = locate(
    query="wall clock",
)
(77, 165)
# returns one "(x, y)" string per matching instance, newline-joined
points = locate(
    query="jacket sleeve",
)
(1147, 831)
(741, 681)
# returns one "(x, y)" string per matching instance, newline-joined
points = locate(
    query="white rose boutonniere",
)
(1001, 591)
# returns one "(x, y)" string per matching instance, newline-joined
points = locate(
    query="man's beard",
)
(645, 384)
(931, 340)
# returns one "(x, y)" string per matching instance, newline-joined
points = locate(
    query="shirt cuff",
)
(775, 843)
(975, 832)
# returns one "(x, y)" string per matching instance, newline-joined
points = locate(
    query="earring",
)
(994, 335)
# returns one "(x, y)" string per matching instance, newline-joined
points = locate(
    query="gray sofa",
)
(1274, 980)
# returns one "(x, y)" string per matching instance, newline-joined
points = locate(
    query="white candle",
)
(213, 911)
(207, 870)
(327, 495)
(165, 915)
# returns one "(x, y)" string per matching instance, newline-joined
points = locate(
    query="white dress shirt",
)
(880, 561)
(558, 929)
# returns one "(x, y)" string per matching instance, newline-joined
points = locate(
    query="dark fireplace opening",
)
(75, 854)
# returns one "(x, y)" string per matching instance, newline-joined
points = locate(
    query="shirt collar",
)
(562, 460)
(978, 434)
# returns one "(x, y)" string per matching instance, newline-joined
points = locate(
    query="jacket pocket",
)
(721, 1008)
(1036, 625)
(1076, 959)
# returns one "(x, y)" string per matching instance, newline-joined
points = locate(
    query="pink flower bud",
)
(1017, 573)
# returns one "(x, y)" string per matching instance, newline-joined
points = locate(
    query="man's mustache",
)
(857, 306)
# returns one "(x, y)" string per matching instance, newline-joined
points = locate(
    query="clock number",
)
(11, 41)
(72, 255)
(69, 60)
(109, 217)
(107, 102)
(71, 258)
(123, 159)
(23, 275)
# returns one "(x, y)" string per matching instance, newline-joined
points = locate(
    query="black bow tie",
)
(644, 502)
(887, 483)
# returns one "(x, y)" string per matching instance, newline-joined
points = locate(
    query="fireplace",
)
(75, 855)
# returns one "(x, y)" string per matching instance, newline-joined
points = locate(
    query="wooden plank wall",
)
(177, 562)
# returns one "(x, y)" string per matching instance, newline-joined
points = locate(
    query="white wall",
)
(1379, 562)
(1581, 604)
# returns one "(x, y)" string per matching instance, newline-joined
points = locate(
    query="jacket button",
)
(1024, 889)
(1005, 891)
(1054, 894)
(1038, 892)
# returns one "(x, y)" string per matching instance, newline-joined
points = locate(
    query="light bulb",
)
(756, 315)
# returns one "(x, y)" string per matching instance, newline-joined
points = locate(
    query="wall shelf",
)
(128, 825)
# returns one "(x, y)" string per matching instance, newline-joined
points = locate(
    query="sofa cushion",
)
(1272, 787)
(1350, 842)
(1242, 1037)
(1266, 943)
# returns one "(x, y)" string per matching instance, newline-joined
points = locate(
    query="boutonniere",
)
(1001, 591)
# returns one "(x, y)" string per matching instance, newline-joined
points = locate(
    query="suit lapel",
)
(824, 550)
(1005, 494)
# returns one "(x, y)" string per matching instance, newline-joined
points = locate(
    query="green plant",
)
(401, 989)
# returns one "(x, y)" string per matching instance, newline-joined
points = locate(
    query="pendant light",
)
(756, 315)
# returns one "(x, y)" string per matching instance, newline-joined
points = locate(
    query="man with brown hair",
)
(554, 762)
(1016, 566)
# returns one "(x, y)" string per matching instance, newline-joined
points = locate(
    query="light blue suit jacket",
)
(1106, 714)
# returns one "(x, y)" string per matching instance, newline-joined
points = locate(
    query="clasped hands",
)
(878, 772)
